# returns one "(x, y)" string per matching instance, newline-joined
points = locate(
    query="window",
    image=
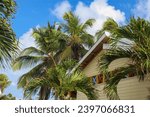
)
(97, 79)
(94, 80)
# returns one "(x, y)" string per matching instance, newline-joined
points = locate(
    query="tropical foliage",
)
(60, 46)
(136, 49)
(7, 8)
(63, 85)
(7, 97)
(4, 83)
(77, 37)
(8, 43)
(49, 42)
(56, 45)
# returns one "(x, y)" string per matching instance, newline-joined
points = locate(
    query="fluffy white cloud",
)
(142, 9)
(99, 10)
(26, 40)
(61, 8)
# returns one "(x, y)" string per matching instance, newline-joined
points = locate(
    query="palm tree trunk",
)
(75, 50)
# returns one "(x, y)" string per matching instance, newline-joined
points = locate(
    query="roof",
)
(96, 48)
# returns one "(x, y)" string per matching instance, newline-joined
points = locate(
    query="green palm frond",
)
(7, 97)
(7, 8)
(136, 31)
(4, 82)
(26, 61)
(111, 55)
(36, 72)
(114, 77)
(110, 25)
(77, 35)
(87, 24)
(31, 51)
(84, 85)
(8, 43)
(34, 85)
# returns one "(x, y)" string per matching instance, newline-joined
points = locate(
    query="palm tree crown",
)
(77, 36)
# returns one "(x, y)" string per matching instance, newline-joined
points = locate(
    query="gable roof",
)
(96, 48)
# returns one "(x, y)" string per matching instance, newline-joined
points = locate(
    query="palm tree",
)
(49, 41)
(4, 82)
(136, 49)
(77, 37)
(109, 25)
(63, 84)
(8, 43)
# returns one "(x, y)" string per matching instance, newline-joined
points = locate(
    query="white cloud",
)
(26, 40)
(98, 9)
(61, 8)
(142, 9)
(14, 84)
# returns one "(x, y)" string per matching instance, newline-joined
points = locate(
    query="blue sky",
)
(36, 13)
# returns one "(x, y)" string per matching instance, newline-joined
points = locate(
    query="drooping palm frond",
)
(113, 54)
(26, 61)
(8, 43)
(36, 72)
(87, 24)
(114, 77)
(32, 51)
(110, 26)
(40, 85)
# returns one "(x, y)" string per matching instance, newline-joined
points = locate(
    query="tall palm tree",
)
(8, 43)
(63, 84)
(137, 31)
(77, 37)
(49, 41)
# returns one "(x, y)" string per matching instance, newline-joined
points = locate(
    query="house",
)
(128, 89)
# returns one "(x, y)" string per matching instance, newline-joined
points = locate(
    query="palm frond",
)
(32, 51)
(35, 72)
(26, 61)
